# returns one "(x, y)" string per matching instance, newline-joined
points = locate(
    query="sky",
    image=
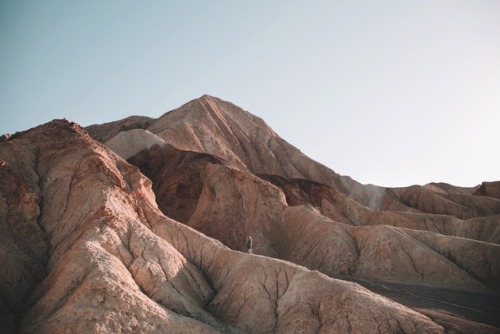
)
(392, 93)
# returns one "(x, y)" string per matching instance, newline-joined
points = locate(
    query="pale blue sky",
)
(388, 92)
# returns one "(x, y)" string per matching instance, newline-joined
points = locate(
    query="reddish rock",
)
(115, 263)
(92, 243)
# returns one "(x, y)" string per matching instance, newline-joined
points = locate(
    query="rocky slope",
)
(90, 242)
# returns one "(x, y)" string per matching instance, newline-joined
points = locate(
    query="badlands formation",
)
(138, 226)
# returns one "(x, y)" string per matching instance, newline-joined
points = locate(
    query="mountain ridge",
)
(94, 243)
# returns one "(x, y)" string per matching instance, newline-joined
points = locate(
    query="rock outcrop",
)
(128, 143)
(227, 203)
(87, 250)
(490, 189)
(90, 242)
(224, 190)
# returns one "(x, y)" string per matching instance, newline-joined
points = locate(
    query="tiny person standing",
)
(249, 244)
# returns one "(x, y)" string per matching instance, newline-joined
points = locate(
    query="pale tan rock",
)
(95, 254)
(388, 210)
(226, 203)
(106, 271)
(276, 296)
(210, 125)
(116, 264)
(128, 143)
(213, 126)
(384, 253)
(229, 133)
(104, 132)
(211, 192)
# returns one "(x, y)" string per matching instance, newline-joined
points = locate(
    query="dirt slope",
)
(102, 258)
(90, 242)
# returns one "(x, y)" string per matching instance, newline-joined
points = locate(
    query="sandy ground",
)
(455, 310)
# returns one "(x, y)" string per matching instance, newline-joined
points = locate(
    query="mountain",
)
(139, 226)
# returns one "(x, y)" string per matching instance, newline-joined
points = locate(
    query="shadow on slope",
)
(115, 263)
(225, 202)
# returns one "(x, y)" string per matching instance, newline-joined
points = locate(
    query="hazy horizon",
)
(390, 93)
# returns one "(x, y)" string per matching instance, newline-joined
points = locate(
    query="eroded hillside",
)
(93, 243)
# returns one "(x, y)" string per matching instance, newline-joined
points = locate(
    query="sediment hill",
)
(139, 226)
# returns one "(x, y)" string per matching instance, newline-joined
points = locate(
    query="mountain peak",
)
(216, 224)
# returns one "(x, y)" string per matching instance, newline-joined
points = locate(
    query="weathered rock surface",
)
(219, 180)
(104, 132)
(227, 203)
(223, 130)
(490, 189)
(92, 243)
(128, 143)
(99, 256)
